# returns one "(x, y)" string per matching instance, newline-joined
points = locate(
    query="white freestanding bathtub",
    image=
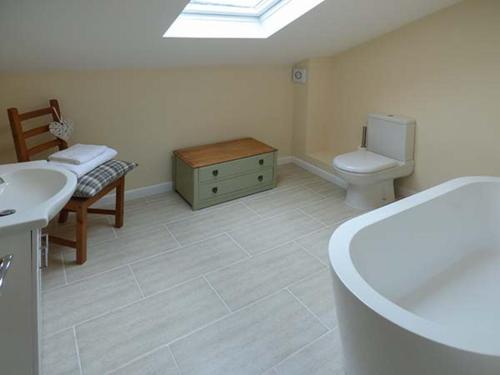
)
(417, 283)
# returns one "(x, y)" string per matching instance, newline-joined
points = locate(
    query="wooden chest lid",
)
(202, 156)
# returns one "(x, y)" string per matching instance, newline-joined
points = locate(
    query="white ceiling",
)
(94, 34)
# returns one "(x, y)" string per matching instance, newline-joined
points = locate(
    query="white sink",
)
(34, 193)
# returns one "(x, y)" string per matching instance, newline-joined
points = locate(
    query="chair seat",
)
(97, 179)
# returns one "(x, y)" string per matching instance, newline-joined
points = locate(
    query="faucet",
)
(2, 181)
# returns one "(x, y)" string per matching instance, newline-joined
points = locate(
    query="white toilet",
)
(370, 172)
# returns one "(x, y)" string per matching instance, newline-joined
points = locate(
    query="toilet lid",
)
(363, 161)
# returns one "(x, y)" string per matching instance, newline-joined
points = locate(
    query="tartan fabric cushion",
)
(93, 182)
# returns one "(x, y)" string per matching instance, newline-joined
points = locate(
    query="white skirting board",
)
(329, 176)
(163, 187)
(137, 193)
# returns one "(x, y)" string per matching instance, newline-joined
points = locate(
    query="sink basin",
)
(32, 194)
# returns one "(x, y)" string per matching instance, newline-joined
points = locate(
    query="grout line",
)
(308, 309)
(247, 259)
(175, 360)
(218, 295)
(86, 278)
(238, 245)
(173, 235)
(271, 295)
(314, 256)
(119, 308)
(144, 355)
(298, 351)
(66, 282)
(164, 252)
(114, 232)
(75, 339)
(301, 210)
(305, 278)
(251, 209)
(136, 281)
(319, 195)
(224, 317)
(161, 253)
(197, 214)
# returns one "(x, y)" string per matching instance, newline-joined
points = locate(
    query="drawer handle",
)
(261, 161)
(215, 172)
(260, 178)
(215, 190)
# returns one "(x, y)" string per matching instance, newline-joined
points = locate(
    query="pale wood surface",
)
(202, 156)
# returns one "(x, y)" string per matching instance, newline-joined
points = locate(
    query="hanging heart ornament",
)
(61, 128)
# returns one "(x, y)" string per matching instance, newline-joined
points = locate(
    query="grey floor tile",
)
(211, 223)
(323, 357)
(316, 293)
(164, 271)
(131, 205)
(279, 201)
(160, 362)
(99, 229)
(317, 243)
(295, 176)
(53, 275)
(170, 207)
(326, 189)
(250, 341)
(292, 171)
(110, 254)
(331, 210)
(262, 275)
(111, 340)
(59, 356)
(267, 337)
(274, 231)
(66, 306)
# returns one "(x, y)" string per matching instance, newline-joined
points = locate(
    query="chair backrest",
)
(24, 153)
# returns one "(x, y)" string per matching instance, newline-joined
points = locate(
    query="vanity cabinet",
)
(19, 303)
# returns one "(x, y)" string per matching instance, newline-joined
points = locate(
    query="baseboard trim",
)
(137, 193)
(164, 187)
(285, 160)
(403, 192)
(329, 176)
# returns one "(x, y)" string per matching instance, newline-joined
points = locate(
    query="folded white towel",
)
(77, 154)
(85, 168)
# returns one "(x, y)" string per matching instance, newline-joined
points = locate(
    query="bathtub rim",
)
(342, 264)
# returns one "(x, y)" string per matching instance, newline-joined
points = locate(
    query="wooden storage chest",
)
(216, 173)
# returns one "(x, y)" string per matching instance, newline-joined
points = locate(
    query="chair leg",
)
(63, 216)
(120, 202)
(81, 235)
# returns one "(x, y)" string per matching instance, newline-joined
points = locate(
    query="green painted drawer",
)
(212, 190)
(217, 172)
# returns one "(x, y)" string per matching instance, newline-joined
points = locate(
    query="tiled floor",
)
(240, 288)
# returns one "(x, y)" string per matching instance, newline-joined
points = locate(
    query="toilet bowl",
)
(370, 172)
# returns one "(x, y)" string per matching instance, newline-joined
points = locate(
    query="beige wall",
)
(444, 71)
(146, 114)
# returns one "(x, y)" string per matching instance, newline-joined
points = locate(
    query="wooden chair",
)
(80, 206)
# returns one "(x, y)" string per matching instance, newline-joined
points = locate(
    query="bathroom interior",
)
(249, 187)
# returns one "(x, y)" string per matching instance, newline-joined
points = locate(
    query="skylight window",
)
(237, 18)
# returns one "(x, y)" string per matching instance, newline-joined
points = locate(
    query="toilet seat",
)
(363, 161)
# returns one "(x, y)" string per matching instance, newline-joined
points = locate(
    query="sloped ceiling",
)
(106, 34)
